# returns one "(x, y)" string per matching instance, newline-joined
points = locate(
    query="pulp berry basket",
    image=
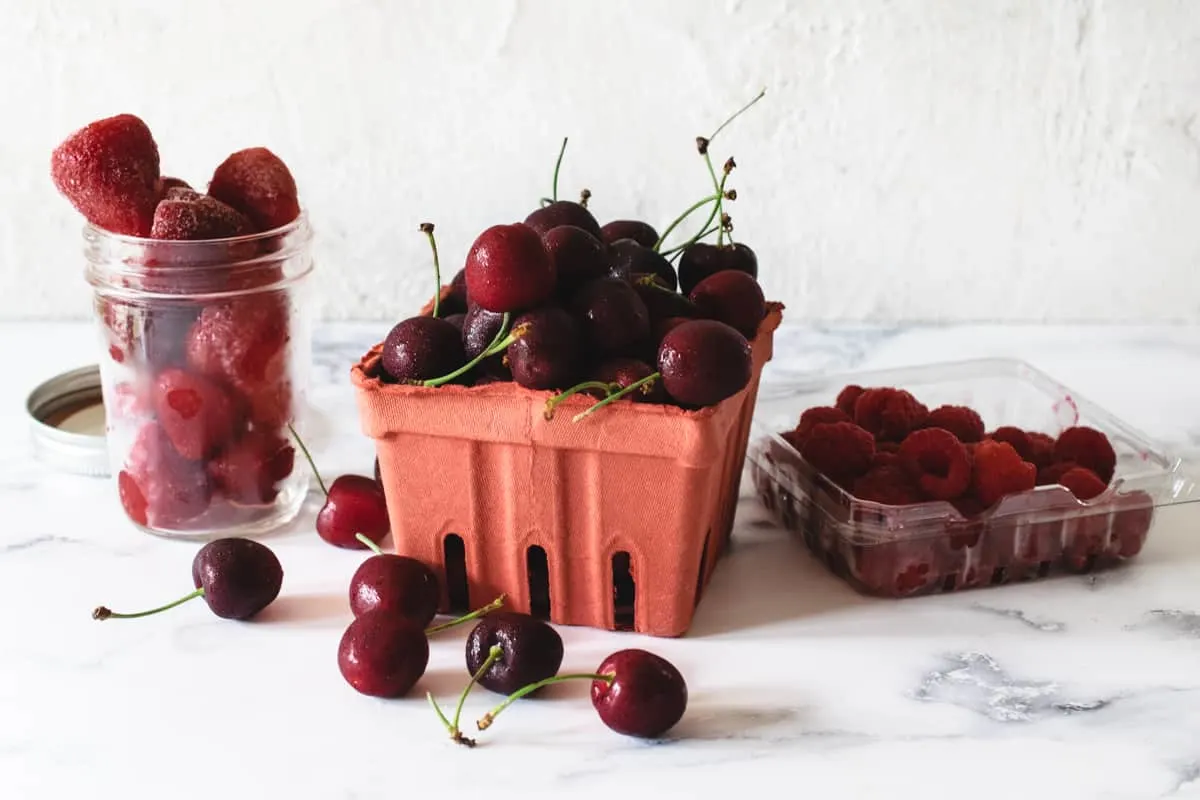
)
(897, 551)
(615, 521)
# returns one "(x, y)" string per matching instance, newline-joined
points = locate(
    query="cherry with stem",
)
(355, 506)
(553, 198)
(500, 343)
(487, 719)
(643, 385)
(427, 229)
(308, 457)
(452, 727)
(553, 402)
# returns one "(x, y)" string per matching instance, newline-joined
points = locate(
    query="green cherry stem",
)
(553, 402)
(500, 343)
(455, 733)
(103, 613)
(427, 229)
(762, 93)
(679, 248)
(493, 656)
(615, 396)
(679, 220)
(308, 457)
(476, 614)
(374, 548)
(557, 166)
(487, 719)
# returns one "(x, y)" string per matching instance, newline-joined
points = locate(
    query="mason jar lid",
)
(68, 423)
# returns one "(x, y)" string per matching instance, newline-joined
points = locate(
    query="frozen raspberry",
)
(1000, 471)
(1052, 474)
(817, 416)
(889, 485)
(196, 414)
(938, 462)
(841, 450)
(243, 343)
(258, 184)
(108, 170)
(1089, 448)
(1041, 449)
(248, 472)
(158, 487)
(847, 397)
(889, 414)
(1083, 483)
(187, 215)
(963, 422)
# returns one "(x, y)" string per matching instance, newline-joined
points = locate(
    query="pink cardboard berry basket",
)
(899, 551)
(613, 522)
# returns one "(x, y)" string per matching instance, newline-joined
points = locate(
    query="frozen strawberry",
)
(248, 472)
(1089, 448)
(889, 414)
(938, 462)
(153, 334)
(108, 170)
(816, 416)
(889, 485)
(1000, 471)
(166, 183)
(1041, 449)
(1083, 483)
(196, 414)
(257, 183)
(841, 450)
(187, 215)
(243, 343)
(847, 397)
(963, 422)
(158, 487)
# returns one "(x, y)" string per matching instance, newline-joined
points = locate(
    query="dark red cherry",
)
(480, 327)
(703, 259)
(578, 256)
(611, 316)
(732, 297)
(383, 655)
(422, 348)
(508, 269)
(355, 504)
(703, 362)
(638, 231)
(627, 371)
(563, 212)
(531, 651)
(396, 585)
(457, 320)
(646, 696)
(627, 258)
(455, 301)
(662, 302)
(547, 355)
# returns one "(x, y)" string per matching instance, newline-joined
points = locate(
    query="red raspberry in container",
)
(889, 414)
(1000, 471)
(1083, 483)
(938, 462)
(963, 422)
(847, 397)
(1131, 520)
(1089, 448)
(897, 569)
(1018, 438)
(889, 485)
(816, 416)
(840, 450)
(1041, 449)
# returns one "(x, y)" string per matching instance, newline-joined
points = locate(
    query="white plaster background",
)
(925, 160)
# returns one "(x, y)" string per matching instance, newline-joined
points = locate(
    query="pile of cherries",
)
(210, 391)
(384, 652)
(559, 302)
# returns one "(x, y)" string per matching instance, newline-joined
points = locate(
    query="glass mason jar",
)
(204, 371)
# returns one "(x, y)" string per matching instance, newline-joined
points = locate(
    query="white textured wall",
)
(913, 160)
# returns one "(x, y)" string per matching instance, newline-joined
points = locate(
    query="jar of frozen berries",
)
(206, 350)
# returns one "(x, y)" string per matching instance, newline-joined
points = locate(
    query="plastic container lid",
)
(67, 422)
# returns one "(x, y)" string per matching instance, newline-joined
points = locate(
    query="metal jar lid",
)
(68, 423)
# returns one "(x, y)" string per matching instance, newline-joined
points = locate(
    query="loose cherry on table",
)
(382, 654)
(354, 504)
(236, 577)
(395, 584)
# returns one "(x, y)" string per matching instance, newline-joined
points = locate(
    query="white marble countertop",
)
(1076, 687)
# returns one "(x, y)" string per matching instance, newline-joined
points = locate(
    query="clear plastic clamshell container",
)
(899, 551)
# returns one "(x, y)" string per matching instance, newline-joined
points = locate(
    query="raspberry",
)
(938, 462)
(816, 416)
(885, 458)
(187, 215)
(889, 414)
(1000, 471)
(1089, 448)
(841, 450)
(889, 485)
(257, 183)
(1083, 483)
(248, 472)
(1018, 438)
(968, 506)
(108, 171)
(195, 414)
(896, 569)
(1041, 449)
(847, 397)
(1130, 524)
(963, 422)
(158, 487)
(1052, 474)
